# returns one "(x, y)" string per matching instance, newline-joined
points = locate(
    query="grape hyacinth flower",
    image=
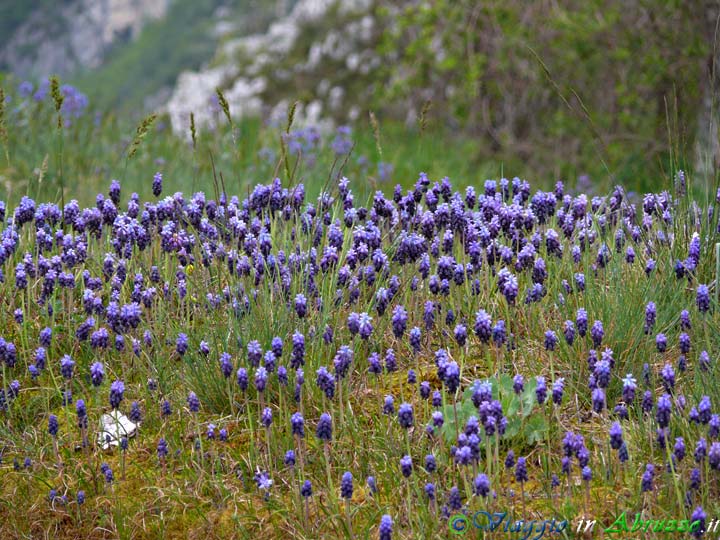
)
(300, 305)
(390, 361)
(430, 491)
(181, 344)
(647, 478)
(53, 426)
(685, 320)
(704, 409)
(629, 387)
(647, 402)
(415, 337)
(399, 321)
(650, 317)
(242, 379)
(193, 402)
(157, 184)
(616, 436)
(452, 377)
(581, 321)
(117, 390)
(521, 476)
(353, 323)
(264, 483)
(661, 343)
(365, 326)
(702, 298)
(586, 474)
(324, 428)
(389, 405)
(455, 499)
(346, 485)
(597, 333)
(406, 466)
(698, 516)
(261, 377)
(226, 366)
(483, 326)
(385, 530)
(704, 361)
(569, 332)
(66, 366)
(668, 377)
(623, 455)
(297, 424)
(682, 363)
(510, 459)
(430, 463)
(540, 390)
(551, 340)
(679, 448)
(700, 450)
(598, 400)
(481, 485)
(714, 426)
(518, 384)
(97, 373)
(460, 334)
(107, 472)
(664, 408)
(306, 489)
(405, 415)
(425, 390)
(81, 411)
(714, 456)
(266, 417)
(437, 399)
(499, 335)
(521, 470)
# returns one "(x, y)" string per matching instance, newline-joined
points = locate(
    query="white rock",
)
(264, 54)
(336, 96)
(113, 427)
(352, 61)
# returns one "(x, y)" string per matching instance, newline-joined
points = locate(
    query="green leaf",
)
(528, 397)
(535, 429)
(513, 428)
(465, 409)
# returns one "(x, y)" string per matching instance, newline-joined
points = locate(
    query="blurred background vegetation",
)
(561, 85)
(594, 92)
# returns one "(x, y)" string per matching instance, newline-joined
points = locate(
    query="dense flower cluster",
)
(405, 301)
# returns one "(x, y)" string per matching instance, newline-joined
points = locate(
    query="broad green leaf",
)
(535, 429)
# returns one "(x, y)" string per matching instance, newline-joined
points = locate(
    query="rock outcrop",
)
(312, 55)
(67, 36)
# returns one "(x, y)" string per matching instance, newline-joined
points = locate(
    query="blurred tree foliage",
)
(555, 84)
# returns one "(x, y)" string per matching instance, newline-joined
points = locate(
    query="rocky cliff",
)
(61, 37)
(319, 53)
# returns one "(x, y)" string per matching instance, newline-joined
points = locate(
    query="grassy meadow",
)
(309, 351)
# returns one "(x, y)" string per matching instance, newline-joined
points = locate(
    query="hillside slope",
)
(41, 37)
